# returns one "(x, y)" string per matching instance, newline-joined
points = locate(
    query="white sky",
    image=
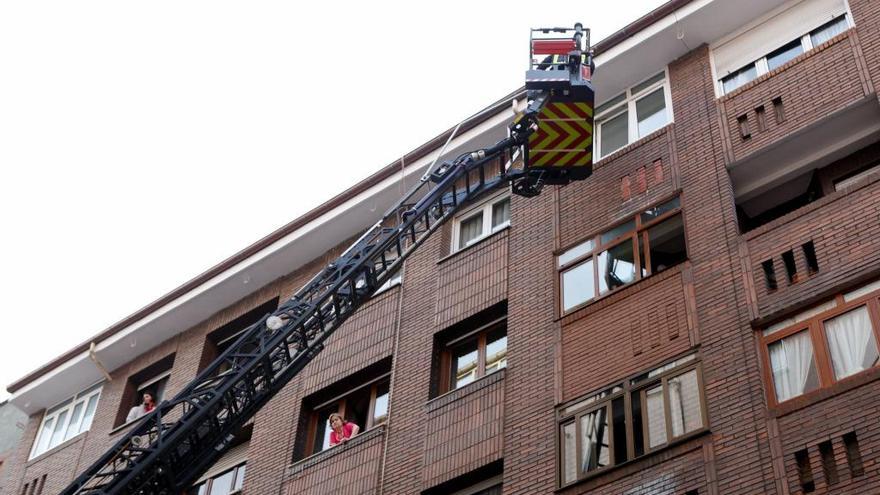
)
(142, 143)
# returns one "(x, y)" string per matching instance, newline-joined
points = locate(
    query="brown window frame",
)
(210, 481)
(815, 326)
(480, 335)
(570, 413)
(340, 401)
(638, 236)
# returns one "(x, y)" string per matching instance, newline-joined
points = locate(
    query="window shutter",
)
(233, 457)
(785, 26)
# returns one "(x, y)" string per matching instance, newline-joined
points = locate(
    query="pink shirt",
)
(347, 428)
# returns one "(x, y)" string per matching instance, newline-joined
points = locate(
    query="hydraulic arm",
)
(173, 445)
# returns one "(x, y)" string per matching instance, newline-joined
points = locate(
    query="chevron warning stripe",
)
(564, 137)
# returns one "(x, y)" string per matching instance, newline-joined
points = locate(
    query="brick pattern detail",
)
(803, 86)
(351, 469)
(466, 429)
(652, 319)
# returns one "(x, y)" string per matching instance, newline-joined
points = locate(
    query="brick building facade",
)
(699, 317)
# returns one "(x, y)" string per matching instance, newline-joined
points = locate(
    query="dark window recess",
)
(776, 202)
(779, 110)
(743, 123)
(769, 275)
(692, 492)
(805, 472)
(810, 255)
(829, 467)
(853, 454)
(790, 267)
(761, 118)
(222, 338)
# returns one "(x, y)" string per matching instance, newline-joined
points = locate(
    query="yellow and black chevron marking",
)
(564, 137)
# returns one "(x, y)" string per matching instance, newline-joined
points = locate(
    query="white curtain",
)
(851, 342)
(792, 360)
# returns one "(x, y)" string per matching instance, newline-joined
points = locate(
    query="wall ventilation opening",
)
(778, 110)
(743, 122)
(810, 255)
(805, 472)
(790, 267)
(761, 118)
(853, 454)
(769, 275)
(829, 466)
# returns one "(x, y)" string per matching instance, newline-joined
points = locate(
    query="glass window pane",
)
(222, 484)
(578, 285)
(501, 213)
(90, 414)
(614, 133)
(684, 403)
(652, 213)
(638, 88)
(656, 417)
(784, 54)
(569, 457)
(595, 447)
(637, 425)
(58, 431)
(793, 366)
(322, 433)
(496, 351)
(464, 365)
(616, 267)
(45, 437)
(651, 112)
(610, 103)
(851, 342)
(73, 427)
(618, 411)
(738, 78)
(666, 244)
(575, 252)
(828, 31)
(470, 229)
(198, 489)
(618, 231)
(239, 477)
(380, 411)
(861, 291)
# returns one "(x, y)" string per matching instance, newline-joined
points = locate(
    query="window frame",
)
(83, 398)
(447, 354)
(340, 401)
(761, 64)
(628, 104)
(638, 235)
(814, 324)
(485, 208)
(208, 483)
(625, 389)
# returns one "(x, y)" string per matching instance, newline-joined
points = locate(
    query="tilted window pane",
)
(464, 364)
(470, 229)
(738, 78)
(73, 427)
(657, 211)
(58, 431)
(651, 112)
(784, 54)
(222, 485)
(569, 456)
(239, 477)
(851, 342)
(578, 285)
(828, 31)
(595, 447)
(684, 403)
(90, 414)
(380, 411)
(500, 213)
(615, 133)
(656, 415)
(666, 243)
(616, 267)
(614, 233)
(575, 252)
(496, 352)
(793, 366)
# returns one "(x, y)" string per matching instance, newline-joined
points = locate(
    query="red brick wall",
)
(352, 469)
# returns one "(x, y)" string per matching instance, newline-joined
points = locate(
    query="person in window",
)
(342, 430)
(142, 409)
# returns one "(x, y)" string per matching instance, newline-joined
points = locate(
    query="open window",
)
(151, 380)
(220, 339)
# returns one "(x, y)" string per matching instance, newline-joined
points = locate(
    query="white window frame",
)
(486, 209)
(628, 104)
(81, 398)
(761, 65)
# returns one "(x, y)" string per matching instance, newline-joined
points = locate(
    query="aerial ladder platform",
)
(548, 143)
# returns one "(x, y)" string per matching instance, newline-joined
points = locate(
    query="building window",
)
(823, 345)
(479, 222)
(151, 380)
(648, 243)
(632, 115)
(365, 406)
(220, 339)
(67, 420)
(631, 419)
(226, 483)
(856, 177)
(473, 355)
(782, 54)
